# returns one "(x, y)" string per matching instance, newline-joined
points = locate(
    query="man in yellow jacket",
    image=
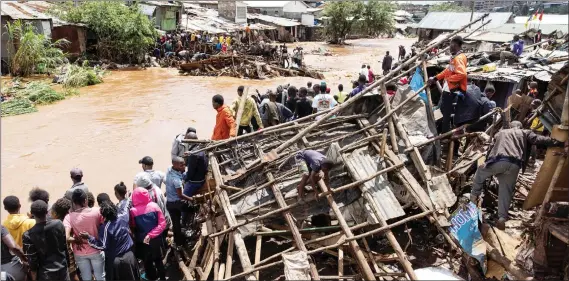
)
(250, 111)
(455, 80)
(16, 223)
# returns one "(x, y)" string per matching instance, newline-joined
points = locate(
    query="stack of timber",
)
(243, 66)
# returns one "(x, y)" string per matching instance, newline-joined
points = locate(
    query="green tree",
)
(342, 17)
(123, 33)
(31, 52)
(448, 7)
(378, 17)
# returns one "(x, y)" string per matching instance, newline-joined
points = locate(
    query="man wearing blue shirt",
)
(516, 51)
(174, 197)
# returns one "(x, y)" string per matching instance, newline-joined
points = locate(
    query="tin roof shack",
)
(287, 9)
(76, 34)
(436, 23)
(287, 30)
(12, 11)
(166, 15)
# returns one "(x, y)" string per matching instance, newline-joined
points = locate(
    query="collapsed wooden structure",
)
(252, 190)
(243, 66)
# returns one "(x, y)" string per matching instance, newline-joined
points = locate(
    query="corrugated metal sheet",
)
(380, 188)
(453, 20)
(271, 4)
(519, 28)
(16, 10)
(547, 19)
(147, 10)
(490, 36)
(274, 20)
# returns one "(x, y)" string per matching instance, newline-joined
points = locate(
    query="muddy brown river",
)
(109, 127)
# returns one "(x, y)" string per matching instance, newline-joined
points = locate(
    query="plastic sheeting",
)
(296, 266)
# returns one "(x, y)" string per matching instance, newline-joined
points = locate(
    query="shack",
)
(436, 23)
(286, 9)
(167, 15)
(13, 11)
(287, 30)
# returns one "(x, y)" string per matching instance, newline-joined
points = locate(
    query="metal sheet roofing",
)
(16, 10)
(274, 20)
(519, 28)
(147, 10)
(490, 36)
(547, 19)
(270, 4)
(453, 20)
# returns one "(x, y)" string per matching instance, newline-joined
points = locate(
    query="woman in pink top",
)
(85, 219)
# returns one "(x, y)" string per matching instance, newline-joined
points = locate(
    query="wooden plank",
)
(230, 216)
(340, 262)
(390, 126)
(258, 246)
(229, 259)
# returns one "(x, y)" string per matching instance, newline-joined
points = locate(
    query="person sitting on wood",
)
(313, 166)
(507, 155)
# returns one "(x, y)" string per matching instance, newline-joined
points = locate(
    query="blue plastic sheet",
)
(417, 82)
(464, 227)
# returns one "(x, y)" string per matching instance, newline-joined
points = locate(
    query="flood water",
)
(109, 127)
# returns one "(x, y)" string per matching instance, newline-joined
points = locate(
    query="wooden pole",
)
(550, 189)
(258, 246)
(229, 258)
(450, 155)
(350, 101)
(430, 115)
(360, 258)
(187, 273)
(390, 126)
(340, 262)
(230, 216)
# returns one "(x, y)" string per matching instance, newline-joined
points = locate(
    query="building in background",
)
(287, 9)
(166, 15)
(436, 23)
(235, 11)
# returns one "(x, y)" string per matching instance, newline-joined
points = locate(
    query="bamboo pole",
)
(450, 156)
(360, 258)
(350, 101)
(430, 115)
(226, 206)
(340, 262)
(187, 273)
(229, 258)
(216, 258)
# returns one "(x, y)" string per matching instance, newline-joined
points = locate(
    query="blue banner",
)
(417, 82)
(464, 228)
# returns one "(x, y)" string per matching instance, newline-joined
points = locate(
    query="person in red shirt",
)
(455, 78)
(224, 122)
(370, 76)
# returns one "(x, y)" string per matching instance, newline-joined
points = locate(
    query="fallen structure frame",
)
(252, 191)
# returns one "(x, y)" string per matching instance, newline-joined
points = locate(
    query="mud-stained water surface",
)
(109, 127)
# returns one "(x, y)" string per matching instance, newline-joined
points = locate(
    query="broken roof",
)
(519, 28)
(454, 20)
(162, 3)
(270, 4)
(274, 20)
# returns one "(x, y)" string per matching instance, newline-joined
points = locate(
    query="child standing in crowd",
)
(148, 223)
(16, 223)
(59, 211)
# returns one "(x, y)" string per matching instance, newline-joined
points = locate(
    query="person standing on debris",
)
(533, 92)
(115, 240)
(516, 51)
(401, 52)
(361, 86)
(386, 64)
(196, 171)
(224, 121)
(370, 75)
(313, 166)
(455, 77)
(341, 94)
(249, 111)
(291, 99)
(322, 102)
(506, 156)
(303, 106)
(537, 38)
(178, 147)
(364, 72)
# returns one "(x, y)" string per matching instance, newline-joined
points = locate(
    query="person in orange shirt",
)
(455, 78)
(224, 122)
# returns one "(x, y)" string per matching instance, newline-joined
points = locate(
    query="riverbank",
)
(108, 127)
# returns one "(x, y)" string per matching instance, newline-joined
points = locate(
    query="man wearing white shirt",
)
(364, 72)
(323, 101)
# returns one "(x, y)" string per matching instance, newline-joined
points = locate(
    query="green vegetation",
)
(32, 52)
(124, 34)
(373, 18)
(448, 7)
(17, 107)
(80, 76)
(23, 99)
